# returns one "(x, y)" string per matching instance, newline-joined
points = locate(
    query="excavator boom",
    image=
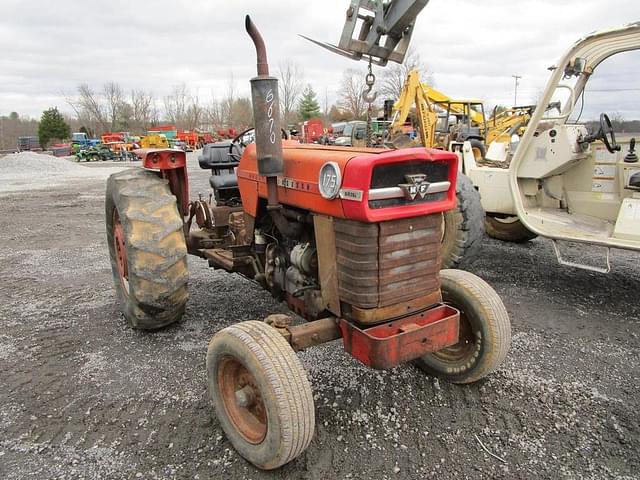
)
(413, 93)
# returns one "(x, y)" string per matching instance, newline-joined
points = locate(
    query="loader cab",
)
(572, 177)
(464, 117)
(461, 121)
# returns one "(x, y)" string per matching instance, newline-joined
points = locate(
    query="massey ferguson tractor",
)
(349, 238)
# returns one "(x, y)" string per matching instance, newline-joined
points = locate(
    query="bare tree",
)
(291, 85)
(183, 109)
(175, 104)
(335, 115)
(214, 113)
(111, 110)
(114, 99)
(91, 106)
(194, 114)
(228, 101)
(350, 94)
(14, 126)
(241, 113)
(143, 108)
(125, 120)
(395, 75)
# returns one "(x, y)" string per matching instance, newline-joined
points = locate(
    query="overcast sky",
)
(473, 47)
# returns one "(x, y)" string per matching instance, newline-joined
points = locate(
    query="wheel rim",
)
(465, 347)
(121, 252)
(242, 400)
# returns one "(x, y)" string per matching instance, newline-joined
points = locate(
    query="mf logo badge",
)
(416, 185)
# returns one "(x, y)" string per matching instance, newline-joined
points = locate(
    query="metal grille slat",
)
(388, 263)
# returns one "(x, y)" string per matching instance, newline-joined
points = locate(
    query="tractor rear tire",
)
(509, 229)
(261, 394)
(147, 248)
(463, 226)
(485, 330)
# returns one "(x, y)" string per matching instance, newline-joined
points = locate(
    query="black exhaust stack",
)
(266, 114)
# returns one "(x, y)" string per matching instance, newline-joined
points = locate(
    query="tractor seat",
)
(215, 157)
(222, 181)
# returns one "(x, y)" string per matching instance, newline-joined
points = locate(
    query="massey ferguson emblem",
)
(416, 185)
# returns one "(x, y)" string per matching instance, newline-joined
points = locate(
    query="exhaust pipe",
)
(266, 113)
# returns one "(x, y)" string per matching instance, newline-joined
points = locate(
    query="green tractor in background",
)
(95, 153)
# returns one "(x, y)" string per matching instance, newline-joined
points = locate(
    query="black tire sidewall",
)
(127, 302)
(457, 297)
(479, 144)
(266, 454)
(110, 207)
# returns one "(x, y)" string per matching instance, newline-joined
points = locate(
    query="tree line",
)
(110, 107)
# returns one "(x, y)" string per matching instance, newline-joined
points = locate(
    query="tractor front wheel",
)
(147, 248)
(485, 330)
(261, 394)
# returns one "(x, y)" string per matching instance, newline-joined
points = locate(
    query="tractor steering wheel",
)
(606, 134)
(237, 145)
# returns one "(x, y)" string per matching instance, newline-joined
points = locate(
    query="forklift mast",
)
(385, 29)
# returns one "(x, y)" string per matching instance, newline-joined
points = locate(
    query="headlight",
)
(330, 180)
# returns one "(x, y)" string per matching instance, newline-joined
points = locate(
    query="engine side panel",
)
(298, 187)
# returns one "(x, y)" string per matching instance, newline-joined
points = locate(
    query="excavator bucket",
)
(384, 33)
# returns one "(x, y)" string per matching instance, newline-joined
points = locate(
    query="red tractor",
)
(349, 238)
(312, 130)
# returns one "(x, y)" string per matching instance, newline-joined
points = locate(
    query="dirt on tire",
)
(153, 244)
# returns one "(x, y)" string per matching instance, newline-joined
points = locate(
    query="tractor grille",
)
(392, 175)
(383, 264)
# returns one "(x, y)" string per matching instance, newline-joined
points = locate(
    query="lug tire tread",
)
(464, 226)
(158, 274)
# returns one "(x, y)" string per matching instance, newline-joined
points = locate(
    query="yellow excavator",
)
(441, 119)
(503, 124)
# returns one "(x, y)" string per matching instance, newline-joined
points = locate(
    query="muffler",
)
(266, 111)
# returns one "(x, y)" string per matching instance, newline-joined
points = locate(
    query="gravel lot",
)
(83, 396)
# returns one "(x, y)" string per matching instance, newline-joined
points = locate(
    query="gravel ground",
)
(35, 171)
(84, 396)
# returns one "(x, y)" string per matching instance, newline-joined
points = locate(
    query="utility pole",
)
(515, 94)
